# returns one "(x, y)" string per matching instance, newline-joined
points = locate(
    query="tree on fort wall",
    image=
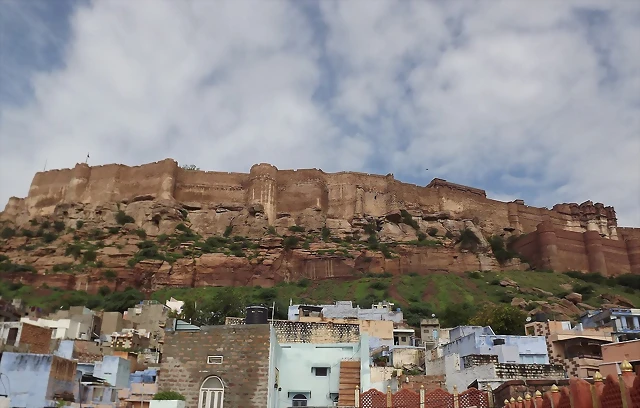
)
(190, 167)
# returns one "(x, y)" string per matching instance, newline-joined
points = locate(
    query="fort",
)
(567, 236)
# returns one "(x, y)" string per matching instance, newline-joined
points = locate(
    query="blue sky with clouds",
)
(533, 100)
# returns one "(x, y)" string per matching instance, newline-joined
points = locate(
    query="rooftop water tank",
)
(257, 315)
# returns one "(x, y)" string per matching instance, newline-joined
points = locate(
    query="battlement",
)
(341, 195)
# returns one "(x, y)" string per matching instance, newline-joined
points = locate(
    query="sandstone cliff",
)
(160, 225)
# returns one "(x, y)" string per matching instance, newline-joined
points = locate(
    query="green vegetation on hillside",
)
(454, 299)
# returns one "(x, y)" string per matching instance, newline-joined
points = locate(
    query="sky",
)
(532, 100)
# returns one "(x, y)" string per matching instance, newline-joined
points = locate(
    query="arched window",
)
(211, 393)
(299, 400)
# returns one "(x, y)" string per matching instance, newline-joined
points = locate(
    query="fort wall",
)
(560, 250)
(342, 195)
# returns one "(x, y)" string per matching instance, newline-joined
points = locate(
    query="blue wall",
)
(516, 349)
(295, 363)
(28, 379)
(114, 370)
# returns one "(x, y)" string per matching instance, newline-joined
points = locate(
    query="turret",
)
(263, 188)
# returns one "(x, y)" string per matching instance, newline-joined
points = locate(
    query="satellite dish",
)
(528, 319)
(433, 315)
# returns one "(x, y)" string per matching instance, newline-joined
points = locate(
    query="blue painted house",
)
(35, 380)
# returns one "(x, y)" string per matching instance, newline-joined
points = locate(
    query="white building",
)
(63, 328)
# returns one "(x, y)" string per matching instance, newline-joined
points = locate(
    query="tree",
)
(190, 167)
(213, 311)
(503, 319)
(456, 314)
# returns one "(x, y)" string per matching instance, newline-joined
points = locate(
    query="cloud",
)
(537, 103)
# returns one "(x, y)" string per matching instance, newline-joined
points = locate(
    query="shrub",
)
(584, 289)
(33, 222)
(122, 218)
(109, 274)
(326, 234)
(296, 228)
(11, 267)
(182, 227)
(371, 228)
(475, 275)
(96, 234)
(378, 285)
(372, 242)
(104, 290)
(3, 258)
(45, 224)
(162, 238)
(89, 256)
(303, 283)
(58, 226)
(141, 233)
(168, 395)
(39, 232)
(422, 236)
(27, 233)
(99, 264)
(499, 249)
(62, 267)
(79, 224)
(49, 237)
(228, 231)
(290, 242)
(113, 230)
(385, 251)
(408, 219)
(495, 282)
(468, 240)
(449, 235)
(432, 231)
(7, 233)
(271, 230)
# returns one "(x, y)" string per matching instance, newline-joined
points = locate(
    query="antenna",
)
(528, 319)
(45, 165)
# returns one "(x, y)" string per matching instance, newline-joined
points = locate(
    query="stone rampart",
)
(560, 250)
(343, 195)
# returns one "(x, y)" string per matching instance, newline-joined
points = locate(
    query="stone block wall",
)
(561, 250)
(244, 368)
(36, 339)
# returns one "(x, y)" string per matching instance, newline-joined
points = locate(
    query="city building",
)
(476, 355)
(251, 363)
(25, 337)
(577, 348)
(624, 323)
(430, 332)
(151, 316)
(345, 310)
(37, 380)
(614, 354)
(477, 340)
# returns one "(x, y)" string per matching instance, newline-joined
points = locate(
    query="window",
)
(214, 359)
(299, 400)
(321, 371)
(211, 393)
(403, 339)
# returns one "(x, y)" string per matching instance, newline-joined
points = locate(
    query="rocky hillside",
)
(149, 245)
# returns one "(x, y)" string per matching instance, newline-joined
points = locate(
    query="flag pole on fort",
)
(87, 159)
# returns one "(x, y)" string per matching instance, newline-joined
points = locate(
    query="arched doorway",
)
(211, 393)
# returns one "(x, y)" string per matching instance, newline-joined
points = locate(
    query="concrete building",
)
(430, 332)
(112, 322)
(345, 310)
(477, 355)
(175, 305)
(275, 365)
(130, 340)
(614, 354)
(151, 316)
(63, 328)
(476, 340)
(577, 348)
(624, 323)
(25, 337)
(37, 379)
